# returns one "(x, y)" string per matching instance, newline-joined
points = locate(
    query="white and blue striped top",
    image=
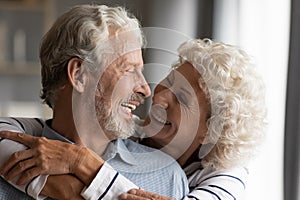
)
(211, 184)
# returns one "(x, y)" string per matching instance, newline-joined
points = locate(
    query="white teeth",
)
(133, 107)
(159, 119)
(129, 107)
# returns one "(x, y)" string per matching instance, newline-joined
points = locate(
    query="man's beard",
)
(111, 122)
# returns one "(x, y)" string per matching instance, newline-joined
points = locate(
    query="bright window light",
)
(261, 27)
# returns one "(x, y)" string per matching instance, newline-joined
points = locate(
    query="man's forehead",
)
(134, 57)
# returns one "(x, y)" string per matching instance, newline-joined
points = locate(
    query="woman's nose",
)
(162, 97)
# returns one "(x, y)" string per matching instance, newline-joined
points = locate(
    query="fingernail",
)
(133, 191)
(20, 135)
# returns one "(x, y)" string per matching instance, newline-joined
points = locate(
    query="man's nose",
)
(143, 87)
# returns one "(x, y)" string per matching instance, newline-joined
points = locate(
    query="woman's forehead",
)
(188, 71)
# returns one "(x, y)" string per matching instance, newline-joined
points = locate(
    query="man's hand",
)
(44, 156)
(135, 194)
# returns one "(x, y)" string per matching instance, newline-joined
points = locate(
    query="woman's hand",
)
(63, 187)
(138, 194)
(46, 156)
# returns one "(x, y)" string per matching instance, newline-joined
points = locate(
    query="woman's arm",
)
(111, 185)
(221, 185)
(7, 148)
(52, 157)
(138, 194)
(68, 186)
(63, 187)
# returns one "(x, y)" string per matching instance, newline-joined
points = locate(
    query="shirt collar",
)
(118, 147)
(53, 135)
(113, 148)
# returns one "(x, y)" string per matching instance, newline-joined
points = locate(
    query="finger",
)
(141, 193)
(20, 168)
(28, 175)
(23, 138)
(14, 159)
(127, 196)
(147, 195)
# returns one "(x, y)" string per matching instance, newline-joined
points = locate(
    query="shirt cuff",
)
(108, 184)
(35, 187)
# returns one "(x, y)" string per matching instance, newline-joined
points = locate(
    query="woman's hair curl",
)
(236, 94)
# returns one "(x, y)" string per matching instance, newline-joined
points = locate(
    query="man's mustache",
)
(138, 98)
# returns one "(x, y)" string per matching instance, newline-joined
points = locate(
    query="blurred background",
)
(267, 29)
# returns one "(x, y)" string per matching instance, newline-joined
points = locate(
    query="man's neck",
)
(82, 129)
(64, 125)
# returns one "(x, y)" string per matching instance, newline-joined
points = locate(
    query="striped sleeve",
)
(222, 186)
(8, 147)
(11, 124)
(112, 185)
(32, 126)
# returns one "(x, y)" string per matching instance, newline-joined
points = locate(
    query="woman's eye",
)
(169, 82)
(182, 98)
(165, 83)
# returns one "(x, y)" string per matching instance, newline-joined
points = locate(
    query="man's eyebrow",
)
(137, 65)
(134, 64)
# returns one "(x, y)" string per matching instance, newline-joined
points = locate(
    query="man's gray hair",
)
(78, 33)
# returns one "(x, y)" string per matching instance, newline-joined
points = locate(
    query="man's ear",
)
(76, 74)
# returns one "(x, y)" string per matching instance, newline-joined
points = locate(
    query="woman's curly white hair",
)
(236, 94)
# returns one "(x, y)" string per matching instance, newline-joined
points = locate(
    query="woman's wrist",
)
(87, 165)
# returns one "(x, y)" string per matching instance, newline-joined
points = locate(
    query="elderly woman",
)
(209, 114)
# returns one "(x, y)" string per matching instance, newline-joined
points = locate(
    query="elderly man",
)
(92, 79)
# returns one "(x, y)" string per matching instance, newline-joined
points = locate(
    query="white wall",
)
(261, 27)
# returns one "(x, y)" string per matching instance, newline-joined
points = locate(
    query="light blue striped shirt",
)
(147, 168)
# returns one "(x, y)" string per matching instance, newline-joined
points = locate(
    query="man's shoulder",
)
(136, 146)
(154, 156)
(32, 126)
